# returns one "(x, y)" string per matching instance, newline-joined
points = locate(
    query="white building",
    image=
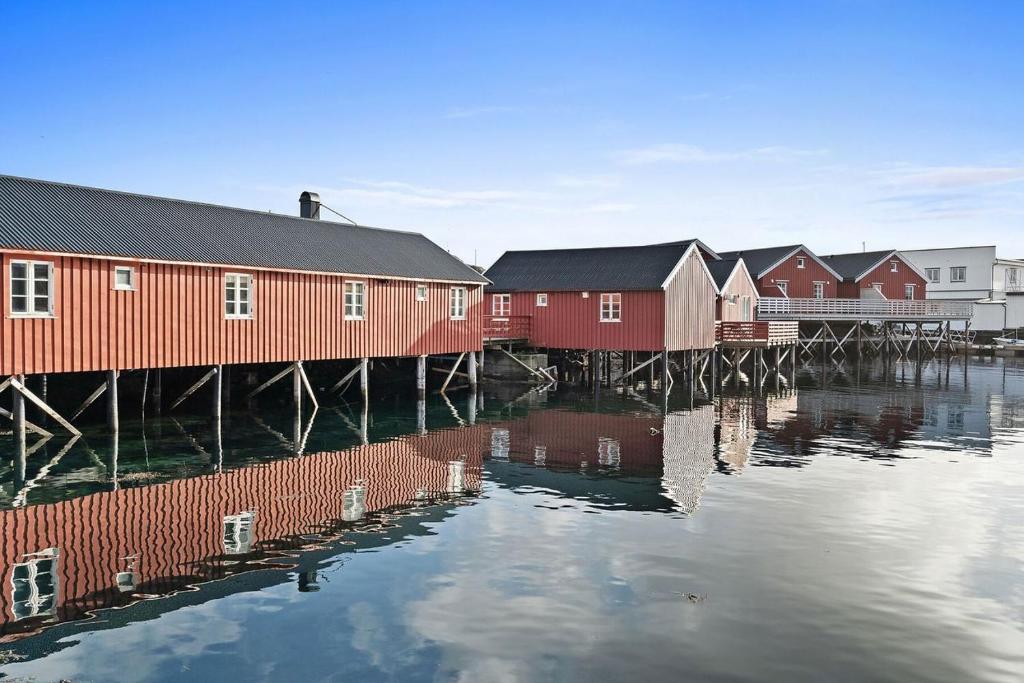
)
(976, 274)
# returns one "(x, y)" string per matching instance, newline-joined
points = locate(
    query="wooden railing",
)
(757, 333)
(775, 308)
(506, 327)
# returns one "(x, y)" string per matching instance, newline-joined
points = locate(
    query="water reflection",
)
(857, 525)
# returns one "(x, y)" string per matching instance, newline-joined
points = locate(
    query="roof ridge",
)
(628, 246)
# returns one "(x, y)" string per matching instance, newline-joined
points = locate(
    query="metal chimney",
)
(309, 205)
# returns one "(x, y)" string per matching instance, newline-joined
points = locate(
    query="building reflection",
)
(62, 561)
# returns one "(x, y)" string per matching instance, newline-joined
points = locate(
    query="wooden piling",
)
(471, 368)
(364, 379)
(218, 391)
(18, 415)
(113, 420)
(421, 377)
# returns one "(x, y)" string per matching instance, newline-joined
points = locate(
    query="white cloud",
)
(946, 177)
(682, 154)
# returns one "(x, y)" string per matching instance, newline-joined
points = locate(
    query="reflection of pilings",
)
(364, 423)
(471, 408)
(114, 448)
(421, 416)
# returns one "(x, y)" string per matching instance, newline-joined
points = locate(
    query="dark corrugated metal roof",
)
(45, 216)
(851, 266)
(759, 260)
(722, 270)
(601, 269)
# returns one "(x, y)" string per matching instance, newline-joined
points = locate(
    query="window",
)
(457, 303)
(421, 292)
(501, 304)
(237, 295)
(586, 295)
(958, 274)
(801, 262)
(933, 274)
(35, 583)
(746, 309)
(783, 286)
(31, 288)
(893, 267)
(908, 291)
(542, 300)
(355, 300)
(819, 290)
(611, 308)
(1013, 280)
(124, 277)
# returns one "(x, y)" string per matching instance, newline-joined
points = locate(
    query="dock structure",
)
(112, 283)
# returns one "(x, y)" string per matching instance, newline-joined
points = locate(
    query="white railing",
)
(775, 308)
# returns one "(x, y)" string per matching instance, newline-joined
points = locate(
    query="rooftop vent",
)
(309, 205)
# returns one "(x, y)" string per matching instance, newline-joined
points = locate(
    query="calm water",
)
(867, 525)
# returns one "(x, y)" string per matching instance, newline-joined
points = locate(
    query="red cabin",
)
(794, 272)
(646, 298)
(878, 275)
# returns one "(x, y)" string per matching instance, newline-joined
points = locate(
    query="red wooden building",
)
(793, 272)
(648, 298)
(878, 274)
(94, 279)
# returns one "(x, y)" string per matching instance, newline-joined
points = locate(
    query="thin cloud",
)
(692, 154)
(406, 194)
(948, 177)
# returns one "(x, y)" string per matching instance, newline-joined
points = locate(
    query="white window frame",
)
(909, 288)
(783, 286)
(611, 307)
(354, 299)
(422, 291)
(894, 267)
(130, 287)
(818, 286)
(501, 305)
(542, 300)
(457, 303)
(963, 274)
(232, 294)
(30, 295)
(933, 274)
(747, 312)
(801, 262)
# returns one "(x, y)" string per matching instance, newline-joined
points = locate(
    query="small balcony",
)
(506, 328)
(920, 310)
(757, 333)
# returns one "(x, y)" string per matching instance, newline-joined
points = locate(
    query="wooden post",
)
(664, 372)
(471, 368)
(421, 415)
(113, 422)
(18, 414)
(967, 343)
(650, 378)
(860, 343)
(218, 391)
(158, 391)
(421, 377)
(471, 408)
(364, 379)
(296, 385)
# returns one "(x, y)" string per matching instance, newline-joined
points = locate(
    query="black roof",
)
(853, 265)
(605, 268)
(722, 270)
(760, 260)
(39, 215)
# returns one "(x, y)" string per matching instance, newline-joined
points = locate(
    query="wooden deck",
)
(506, 328)
(756, 334)
(926, 310)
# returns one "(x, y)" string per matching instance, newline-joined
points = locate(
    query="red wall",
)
(176, 529)
(892, 283)
(571, 322)
(801, 280)
(175, 317)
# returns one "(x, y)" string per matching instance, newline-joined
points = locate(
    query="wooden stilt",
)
(307, 386)
(218, 389)
(89, 401)
(448, 379)
(113, 420)
(191, 390)
(20, 388)
(421, 377)
(354, 371)
(650, 361)
(279, 376)
(364, 380)
(297, 388)
(18, 415)
(471, 368)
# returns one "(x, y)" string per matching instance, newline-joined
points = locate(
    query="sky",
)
(493, 126)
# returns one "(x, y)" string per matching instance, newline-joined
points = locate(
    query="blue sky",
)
(517, 126)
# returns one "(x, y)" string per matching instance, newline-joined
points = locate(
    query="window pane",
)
(18, 270)
(41, 287)
(19, 287)
(229, 307)
(19, 304)
(123, 277)
(41, 270)
(42, 304)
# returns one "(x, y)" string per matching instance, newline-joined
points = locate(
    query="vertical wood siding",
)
(740, 286)
(175, 317)
(571, 322)
(176, 529)
(892, 283)
(690, 307)
(801, 280)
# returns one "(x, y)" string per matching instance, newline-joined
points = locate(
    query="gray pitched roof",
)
(851, 266)
(722, 270)
(601, 269)
(45, 216)
(759, 260)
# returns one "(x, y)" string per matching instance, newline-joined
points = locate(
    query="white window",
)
(746, 309)
(893, 267)
(237, 295)
(611, 308)
(934, 274)
(542, 300)
(586, 295)
(501, 305)
(355, 300)
(31, 288)
(457, 303)
(783, 286)
(908, 291)
(34, 585)
(238, 533)
(958, 274)
(124, 277)
(801, 262)
(421, 292)
(819, 290)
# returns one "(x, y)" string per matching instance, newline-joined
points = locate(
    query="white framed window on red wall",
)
(611, 307)
(501, 305)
